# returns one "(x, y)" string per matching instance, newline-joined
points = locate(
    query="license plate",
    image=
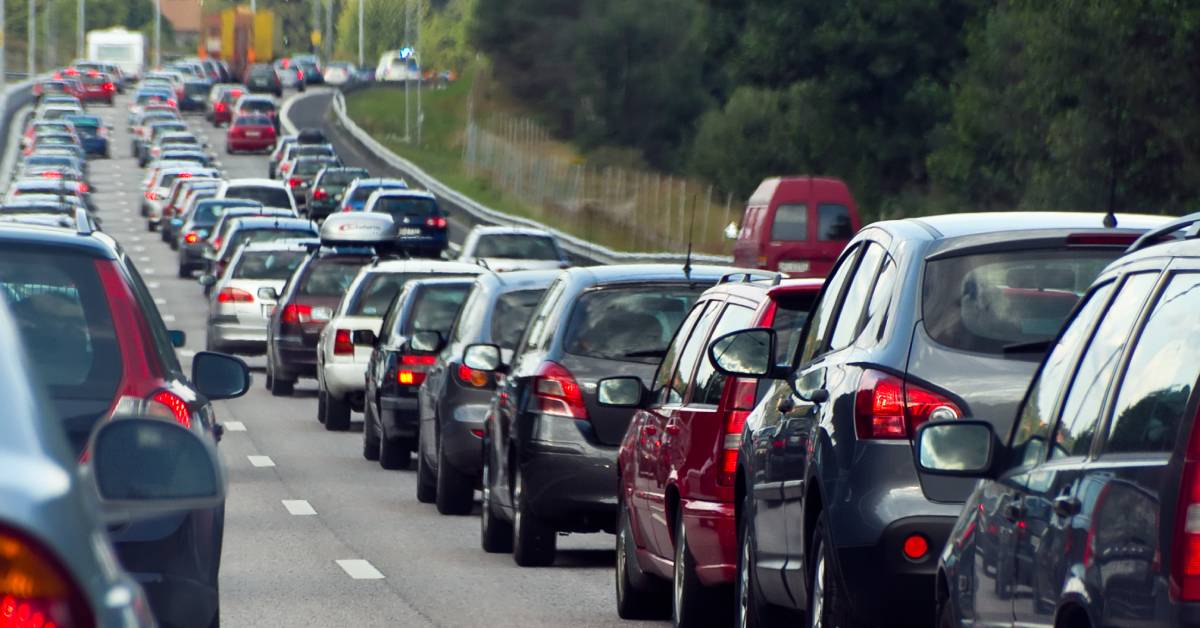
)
(409, 231)
(794, 267)
(253, 134)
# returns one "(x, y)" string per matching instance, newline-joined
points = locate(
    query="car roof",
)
(959, 225)
(283, 223)
(264, 183)
(403, 192)
(374, 181)
(426, 265)
(671, 273)
(95, 244)
(289, 244)
(497, 230)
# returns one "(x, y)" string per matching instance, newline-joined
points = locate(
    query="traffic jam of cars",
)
(964, 419)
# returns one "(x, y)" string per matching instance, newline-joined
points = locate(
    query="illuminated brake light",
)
(556, 392)
(413, 367)
(915, 547)
(294, 182)
(436, 222)
(341, 343)
(174, 404)
(472, 377)
(320, 194)
(303, 314)
(82, 187)
(153, 196)
(52, 174)
(36, 591)
(191, 238)
(234, 295)
(886, 407)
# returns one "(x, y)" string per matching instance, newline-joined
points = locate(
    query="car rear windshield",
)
(268, 196)
(181, 138)
(63, 318)
(257, 105)
(196, 89)
(308, 150)
(514, 246)
(252, 121)
(511, 316)
(208, 213)
(377, 291)
(243, 236)
(311, 166)
(401, 207)
(435, 307)
(363, 192)
(268, 264)
(341, 178)
(627, 323)
(331, 276)
(985, 303)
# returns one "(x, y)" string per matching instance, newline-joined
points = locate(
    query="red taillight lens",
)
(284, 167)
(1185, 553)
(436, 222)
(82, 187)
(153, 196)
(216, 244)
(887, 407)
(35, 590)
(234, 295)
(52, 174)
(741, 395)
(472, 377)
(320, 194)
(171, 102)
(341, 343)
(413, 368)
(109, 87)
(915, 547)
(192, 237)
(175, 404)
(302, 313)
(294, 182)
(557, 393)
(219, 107)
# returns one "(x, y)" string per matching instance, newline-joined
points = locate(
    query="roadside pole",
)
(79, 28)
(157, 34)
(31, 40)
(361, 12)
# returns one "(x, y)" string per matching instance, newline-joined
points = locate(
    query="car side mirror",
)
(364, 337)
(425, 341)
(268, 293)
(178, 337)
(744, 353)
(620, 392)
(963, 448)
(220, 376)
(207, 280)
(483, 357)
(145, 467)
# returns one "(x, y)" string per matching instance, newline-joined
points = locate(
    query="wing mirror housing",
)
(484, 357)
(959, 448)
(207, 280)
(426, 341)
(621, 392)
(267, 293)
(220, 376)
(745, 353)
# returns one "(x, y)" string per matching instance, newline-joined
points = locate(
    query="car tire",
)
(337, 413)
(693, 605)
(150, 226)
(639, 594)
(455, 490)
(395, 453)
(827, 603)
(534, 542)
(280, 387)
(371, 440)
(946, 615)
(495, 534)
(426, 480)
(184, 272)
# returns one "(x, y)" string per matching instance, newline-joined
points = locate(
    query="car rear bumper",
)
(95, 145)
(399, 416)
(461, 445)
(712, 535)
(343, 378)
(297, 360)
(572, 488)
(250, 144)
(191, 255)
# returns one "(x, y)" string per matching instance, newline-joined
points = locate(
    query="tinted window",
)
(341, 177)
(196, 89)
(377, 292)
(875, 320)
(983, 303)
(692, 351)
(400, 208)
(833, 222)
(363, 192)
(1149, 409)
(539, 332)
(160, 341)
(435, 308)
(268, 264)
(511, 246)
(268, 196)
(849, 319)
(791, 312)
(1033, 423)
(252, 121)
(245, 236)
(666, 368)
(208, 213)
(257, 105)
(824, 311)
(330, 276)
(1085, 399)
(311, 166)
(791, 223)
(709, 382)
(630, 324)
(511, 314)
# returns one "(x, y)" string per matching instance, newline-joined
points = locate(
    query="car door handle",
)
(1067, 506)
(1014, 512)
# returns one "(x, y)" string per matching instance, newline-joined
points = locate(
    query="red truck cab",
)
(796, 225)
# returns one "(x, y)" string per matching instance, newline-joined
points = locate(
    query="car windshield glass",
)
(401, 207)
(514, 246)
(435, 307)
(268, 264)
(257, 105)
(331, 276)
(268, 196)
(511, 316)
(341, 178)
(196, 89)
(363, 192)
(243, 236)
(629, 324)
(377, 292)
(252, 121)
(984, 303)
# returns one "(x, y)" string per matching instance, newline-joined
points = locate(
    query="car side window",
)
(1149, 410)
(849, 319)
(818, 324)
(710, 382)
(1032, 429)
(389, 321)
(537, 328)
(681, 379)
(875, 318)
(667, 367)
(1084, 402)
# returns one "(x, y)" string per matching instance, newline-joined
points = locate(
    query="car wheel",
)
(337, 413)
(534, 543)
(426, 480)
(495, 534)
(639, 594)
(692, 604)
(184, 272)
(370, 438)
(455, 490)
(395, 453)
(946, 615)
(281, 387)
(827, 603)
(150, 226)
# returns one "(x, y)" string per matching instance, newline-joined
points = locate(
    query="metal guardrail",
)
(17, 98)
(482, 213)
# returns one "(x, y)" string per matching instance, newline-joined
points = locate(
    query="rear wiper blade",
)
(649, 353)
(1035, 346)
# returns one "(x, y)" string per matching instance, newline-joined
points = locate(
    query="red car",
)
(53, 87)
(98, 87)
(678, 459)
(251, 132)
(796, 225)
(222, 109)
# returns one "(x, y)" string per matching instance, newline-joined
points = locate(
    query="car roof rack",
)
(751, 276)
(1189, 223)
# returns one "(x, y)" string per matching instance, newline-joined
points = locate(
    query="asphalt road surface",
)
(303, 501)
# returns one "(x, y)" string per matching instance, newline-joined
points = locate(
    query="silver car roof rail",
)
(1189, 223)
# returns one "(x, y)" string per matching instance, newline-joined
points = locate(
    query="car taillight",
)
(284, 167)
(109, 87)
(320, 194)
(887, 407)
(1185, 552)
(436, 222)
(216, 244)
(412, 369)
(36, 591)
(557, 393)
(171, 102)
(294, 182)
(303, 313)
(153, 196)
(472, 377)
(742, 393)
(52, 174)
(219, 107)
(82, 187)
(234, 295)
(192, 237)
(341, 343)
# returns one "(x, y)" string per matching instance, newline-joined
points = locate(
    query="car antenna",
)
(1110, 219)
(687, 261)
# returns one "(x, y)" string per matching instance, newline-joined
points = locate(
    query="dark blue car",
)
(421, 226)
(93, 134)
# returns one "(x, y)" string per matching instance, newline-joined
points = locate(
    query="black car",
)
(924, 319)
(195, 95)
(455, 399)
(262, 78)
(324, 196)
(550, 448)
(1098, 479)
(424, 309)
(95, 339)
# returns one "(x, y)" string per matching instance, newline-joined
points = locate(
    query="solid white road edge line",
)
(359, 569)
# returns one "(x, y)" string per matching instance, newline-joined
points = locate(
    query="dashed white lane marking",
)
(261, 461)
(186, 353)
(149, 271)
(135, 238)
(234, 426)
(299, 507)
(145, 258)
(153, 285)
(168, 318)
(359, 569)
(160, 301)
(139, 248)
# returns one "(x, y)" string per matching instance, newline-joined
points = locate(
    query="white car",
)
(394, 67)
(341, 362)
(246, 294)
(513, 248)
(338, 73)
(159, 188)
(270, 193)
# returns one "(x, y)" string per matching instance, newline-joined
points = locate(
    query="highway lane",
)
(282, 569)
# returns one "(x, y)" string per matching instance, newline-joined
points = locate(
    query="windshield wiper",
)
(1034, 346)
(649, 353)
